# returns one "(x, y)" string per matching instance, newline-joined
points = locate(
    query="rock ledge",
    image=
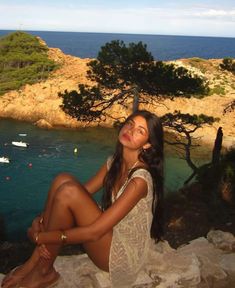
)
(204, 262)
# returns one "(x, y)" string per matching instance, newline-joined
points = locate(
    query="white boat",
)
(19, 144)
(4, 160)
(22, 134)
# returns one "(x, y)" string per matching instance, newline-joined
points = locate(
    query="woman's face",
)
(134, 134)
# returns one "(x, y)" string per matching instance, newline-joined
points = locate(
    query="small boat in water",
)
(19, 144)
(22, 134)
(4, 160)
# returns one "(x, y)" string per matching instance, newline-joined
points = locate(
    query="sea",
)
(25, 181)
(162, 47)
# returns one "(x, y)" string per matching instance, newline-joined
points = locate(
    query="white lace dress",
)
(131, 237)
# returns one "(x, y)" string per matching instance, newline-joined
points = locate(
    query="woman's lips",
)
(126, 136)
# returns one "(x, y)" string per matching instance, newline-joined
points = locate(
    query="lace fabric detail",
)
(131, 237)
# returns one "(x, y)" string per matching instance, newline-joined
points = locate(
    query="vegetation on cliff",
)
(123, 72)
(23, 60)
(228, 64)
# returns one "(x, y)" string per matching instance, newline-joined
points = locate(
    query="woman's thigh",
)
(85, 212)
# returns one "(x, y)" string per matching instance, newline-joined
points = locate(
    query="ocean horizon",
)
(162, 47)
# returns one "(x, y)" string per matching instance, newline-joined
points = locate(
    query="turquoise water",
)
(25, 181)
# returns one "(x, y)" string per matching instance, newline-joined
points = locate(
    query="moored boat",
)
(4, 160)
(19, 143)
(22, 134)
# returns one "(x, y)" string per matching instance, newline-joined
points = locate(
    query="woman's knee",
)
(69, 191)
(63, 177)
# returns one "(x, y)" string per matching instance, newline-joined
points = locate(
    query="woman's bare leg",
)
(12, 278)
(57, 182)
(72, 205)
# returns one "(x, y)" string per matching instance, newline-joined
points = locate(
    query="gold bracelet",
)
(63, 237)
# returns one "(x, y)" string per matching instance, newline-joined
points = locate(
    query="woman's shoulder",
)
(141, 171)
(145, 175)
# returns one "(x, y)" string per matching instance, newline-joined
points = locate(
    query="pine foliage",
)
(128, 71)
(23, 60)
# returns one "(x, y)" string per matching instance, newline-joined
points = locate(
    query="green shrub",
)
(23, 60)
(228, 64)
(218, 90)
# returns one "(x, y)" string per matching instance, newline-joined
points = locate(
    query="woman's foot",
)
(15, 276)
(19, 272)
(35, 279)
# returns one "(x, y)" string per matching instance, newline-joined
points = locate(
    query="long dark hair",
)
(154, 158)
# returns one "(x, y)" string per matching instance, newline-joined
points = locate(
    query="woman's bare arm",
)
(95, 183)
(134, 192)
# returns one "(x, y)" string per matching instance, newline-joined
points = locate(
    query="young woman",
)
(117, 237)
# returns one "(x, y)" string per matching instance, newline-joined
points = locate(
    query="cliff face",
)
(39, 103)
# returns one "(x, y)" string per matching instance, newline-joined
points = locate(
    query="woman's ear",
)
(146, 146)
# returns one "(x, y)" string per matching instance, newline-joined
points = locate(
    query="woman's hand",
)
(42, 250)
(37, 224)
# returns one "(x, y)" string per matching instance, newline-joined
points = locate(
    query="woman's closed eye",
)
(140, 131)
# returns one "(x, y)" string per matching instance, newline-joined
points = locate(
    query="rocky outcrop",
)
(204, 262)
(41, 101)
(42, 123)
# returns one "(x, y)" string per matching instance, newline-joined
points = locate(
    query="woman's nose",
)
(131, 130)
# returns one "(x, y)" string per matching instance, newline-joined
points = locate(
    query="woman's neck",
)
(130, 158)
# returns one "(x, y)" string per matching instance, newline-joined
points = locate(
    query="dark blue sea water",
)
(162, 47)
(25, 181)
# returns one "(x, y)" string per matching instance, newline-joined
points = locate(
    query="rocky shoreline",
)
(204, 262)
(40, 104)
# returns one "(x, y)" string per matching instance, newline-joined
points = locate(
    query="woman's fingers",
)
(36, 225)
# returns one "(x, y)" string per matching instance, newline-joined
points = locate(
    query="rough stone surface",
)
(43, 124)
(201, 263)
(222, 240)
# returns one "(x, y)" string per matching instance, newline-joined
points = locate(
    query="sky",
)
(173, 17)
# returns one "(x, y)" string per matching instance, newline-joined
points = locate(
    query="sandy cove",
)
(39, 103)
